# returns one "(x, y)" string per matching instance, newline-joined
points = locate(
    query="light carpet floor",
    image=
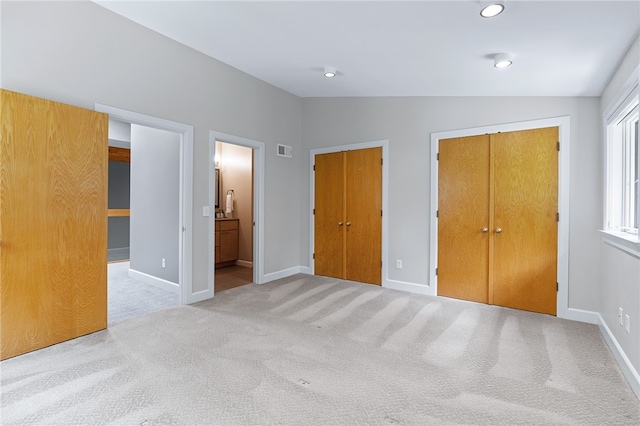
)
(128, 298)
(309, 350)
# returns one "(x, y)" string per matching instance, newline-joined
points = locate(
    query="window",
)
(623, 189)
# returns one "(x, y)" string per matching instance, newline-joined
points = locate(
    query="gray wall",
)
(620, 270)
(80, 53)
(118, 199)
(408, 122)
(155, 202)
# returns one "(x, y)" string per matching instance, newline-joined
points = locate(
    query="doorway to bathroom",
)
(233, 216)
(235, 210)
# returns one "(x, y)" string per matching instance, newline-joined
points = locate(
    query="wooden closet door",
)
(363, 219)
(329, 215)
(463, 218)
(526, 204)
(53, 223)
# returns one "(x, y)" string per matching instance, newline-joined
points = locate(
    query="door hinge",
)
(558, 217)
(558, 145)
(436, 271)
(314, 167)
(437, 213)
(438, 157)
(184, 229)
(314, 255)
(314, 211)
(380, 212)
(557, 286)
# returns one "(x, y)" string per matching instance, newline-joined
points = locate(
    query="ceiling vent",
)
(284, 151)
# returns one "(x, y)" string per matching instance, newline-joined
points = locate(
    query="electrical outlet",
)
(627, 326)
(398, 264)
(164, 263)
(620, 317)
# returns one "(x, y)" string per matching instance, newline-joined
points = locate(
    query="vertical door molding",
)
(563, 124)
(384, 144)
(185, 234)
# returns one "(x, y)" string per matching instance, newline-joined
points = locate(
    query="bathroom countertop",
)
(226, 218)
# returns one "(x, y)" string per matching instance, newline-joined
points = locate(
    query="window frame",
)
(619, 159)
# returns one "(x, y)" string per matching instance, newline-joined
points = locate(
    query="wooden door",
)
(329, 215)
(348, 215)
(363, 218)
(526, 207)
(463, 218)
(53, 223)
(497, 223)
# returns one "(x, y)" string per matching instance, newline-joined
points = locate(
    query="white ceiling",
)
(398, 48)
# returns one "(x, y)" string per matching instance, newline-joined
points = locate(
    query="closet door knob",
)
(339, 223)
(348, 223)
(485, 229)
(498, 230)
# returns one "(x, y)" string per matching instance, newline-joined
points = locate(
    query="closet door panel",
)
(525, 224)
(53, 219)
(363, 219)
(463, 215)
(329, 215)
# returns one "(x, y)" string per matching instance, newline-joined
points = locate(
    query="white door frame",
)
(384, 144)
(185, 262)
(563, 123)
(258, 202)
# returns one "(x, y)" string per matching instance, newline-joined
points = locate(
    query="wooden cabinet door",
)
(53, 223)
(363, 215)
(463, 218)
(348, 215)
(526, 206)
(329, 215)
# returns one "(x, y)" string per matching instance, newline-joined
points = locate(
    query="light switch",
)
(205, 210)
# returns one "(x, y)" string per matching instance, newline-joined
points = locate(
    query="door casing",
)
(563, 123)
(185, 267)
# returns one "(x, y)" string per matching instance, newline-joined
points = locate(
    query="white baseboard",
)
(158, 282)
(283, 273)
(244, 263)
(407, 286)
(624, 363)
(305, 270)
(589, 317)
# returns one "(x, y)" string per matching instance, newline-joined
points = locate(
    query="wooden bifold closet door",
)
(498, 219)
(53, 223)
(348, 215)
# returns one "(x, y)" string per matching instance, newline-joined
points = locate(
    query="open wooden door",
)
(53, 223)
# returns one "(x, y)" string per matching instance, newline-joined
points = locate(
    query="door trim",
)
(563, 123)
(258, 202)
(185, 238)
(384, 144)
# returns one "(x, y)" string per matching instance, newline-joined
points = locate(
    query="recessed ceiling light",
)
(329, 72)
(492, 10)
(502, 60)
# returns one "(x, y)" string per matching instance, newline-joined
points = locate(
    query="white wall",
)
(408, 122)
(81, 54)
(620, 270)
(155, 202)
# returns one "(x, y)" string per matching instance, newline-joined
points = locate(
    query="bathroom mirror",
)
(217, 186)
